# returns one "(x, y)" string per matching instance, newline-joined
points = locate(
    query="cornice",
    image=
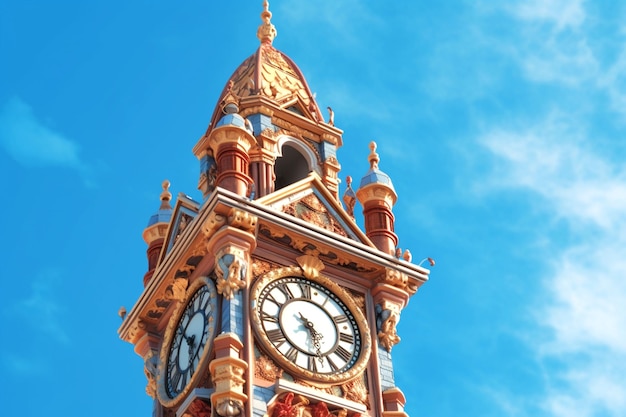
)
(221, 202)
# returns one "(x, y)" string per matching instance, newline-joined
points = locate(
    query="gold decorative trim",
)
(265, 368)
(311, 265)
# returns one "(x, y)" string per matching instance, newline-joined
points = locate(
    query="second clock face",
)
(309, 326)
(188, 343)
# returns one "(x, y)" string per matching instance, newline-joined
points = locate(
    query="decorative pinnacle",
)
(267, 31)
(373, 157)
(166, 196)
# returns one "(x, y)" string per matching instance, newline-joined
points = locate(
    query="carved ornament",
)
(231, 271)
(305, 246)
(311, 210)
(399, 280)
(356, 391)
(292, 405)
(176, 292)
(227, 375)
(261, 266)
(311, 265)
(265, 368)
(243, 220)
(387, 317)
(212, 224)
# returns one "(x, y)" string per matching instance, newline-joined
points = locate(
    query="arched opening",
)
(292, 166)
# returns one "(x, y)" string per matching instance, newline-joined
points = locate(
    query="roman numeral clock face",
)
(310, 330)
(187, 344)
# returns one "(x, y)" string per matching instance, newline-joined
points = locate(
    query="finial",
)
(373, 157)
(349, 198)
(267, 31)
(166, 196)
(230, 103)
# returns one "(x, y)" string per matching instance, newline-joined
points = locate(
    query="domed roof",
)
(269, 73)
(375, 175)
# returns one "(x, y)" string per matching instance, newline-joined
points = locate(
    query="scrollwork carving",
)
(398, 279)
(387, 317)
(266, 369)
(311, 265)
(356, 390)
(176, 291)
(231, 273)
(150, 370)
(213, 223)
(242, 220)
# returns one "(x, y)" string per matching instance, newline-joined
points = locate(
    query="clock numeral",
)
(292, 354)
(306, 290)
(332, 364)
(312, 364)
(284, 288)
(345, 337)
(343, 353)
(182, 382)
(175, 381)
(269, 317)
(276, 336)
(342, 318)
(271, 298)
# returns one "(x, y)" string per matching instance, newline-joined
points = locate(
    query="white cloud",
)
(31, 143)
(584, 305)
(561, 13)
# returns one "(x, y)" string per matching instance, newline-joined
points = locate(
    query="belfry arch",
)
(294, 162)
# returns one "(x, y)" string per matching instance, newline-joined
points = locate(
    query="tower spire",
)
(267, 31)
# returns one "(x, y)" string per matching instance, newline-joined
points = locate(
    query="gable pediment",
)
(309, 200)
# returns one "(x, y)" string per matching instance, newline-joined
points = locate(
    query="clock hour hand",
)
(315, 335)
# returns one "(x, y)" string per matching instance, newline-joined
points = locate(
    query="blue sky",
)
(500, 123)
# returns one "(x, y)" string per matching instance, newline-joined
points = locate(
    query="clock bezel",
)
(268, 347)
(170, 332)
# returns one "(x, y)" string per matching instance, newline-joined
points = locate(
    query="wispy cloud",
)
(584, 304)
(41, 307)
(37, 314)
(33, 144)
(560, 13)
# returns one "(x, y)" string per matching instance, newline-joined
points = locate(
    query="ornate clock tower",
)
(266, 298)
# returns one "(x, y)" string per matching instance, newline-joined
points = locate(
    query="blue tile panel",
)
(260, 399)
(327, 150)
(260, 122)
(386, 368)
(232, 315)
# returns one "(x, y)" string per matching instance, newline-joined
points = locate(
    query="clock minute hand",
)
(315, 335)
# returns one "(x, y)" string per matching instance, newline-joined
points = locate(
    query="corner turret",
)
(377, 196)
(154, 233)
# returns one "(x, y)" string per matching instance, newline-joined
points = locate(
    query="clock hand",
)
(315, 336)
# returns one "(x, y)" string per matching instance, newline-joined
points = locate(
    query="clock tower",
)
(266, 298)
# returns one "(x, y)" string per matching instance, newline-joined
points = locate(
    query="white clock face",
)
(191, 338)
(309, 325)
